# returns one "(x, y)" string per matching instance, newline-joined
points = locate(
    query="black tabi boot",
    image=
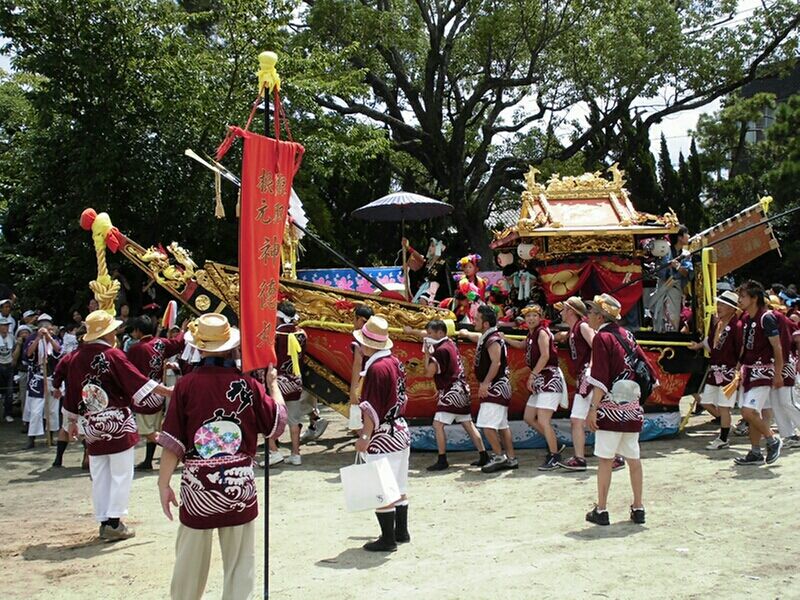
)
(483, 458)
(385, 543)
(440, 465)
(147, 463)
(31, 443)
(61, 446)
(401, 535)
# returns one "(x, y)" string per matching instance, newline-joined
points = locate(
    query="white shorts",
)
(298, 409)
(714, 396)
(492, 416)
(449, 418)
(149, 424)
(399, 463)
(546, 400)
(580, 407)
(607, 444)
(757, 398)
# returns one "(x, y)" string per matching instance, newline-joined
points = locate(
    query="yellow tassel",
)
(239, 203)
(730, 389)
(294, 352)
(219, 210)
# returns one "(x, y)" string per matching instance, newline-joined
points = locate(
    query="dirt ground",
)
(713, 531)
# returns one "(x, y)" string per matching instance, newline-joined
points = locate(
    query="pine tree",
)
(669, 179)
(640, 168)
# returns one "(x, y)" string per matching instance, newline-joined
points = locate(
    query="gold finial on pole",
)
(104, 288)
(268, 78)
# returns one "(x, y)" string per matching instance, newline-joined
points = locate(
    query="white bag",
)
(355, 421)
(369, 485)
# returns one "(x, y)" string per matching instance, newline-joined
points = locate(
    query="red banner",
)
(268, 169)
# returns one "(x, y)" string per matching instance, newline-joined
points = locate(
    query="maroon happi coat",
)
(580, 354)
(383, 399)
(114, 429)
(291, 385)
(60, 376)
(725, 351)
(212, 424)
(149, 353)
(758, 368)
(500, 387)
(449, 379)
(609, 365)
(786, 327)
(550, 378)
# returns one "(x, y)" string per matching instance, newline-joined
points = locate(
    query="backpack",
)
(642, 373)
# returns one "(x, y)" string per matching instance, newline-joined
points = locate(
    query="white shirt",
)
(7, 343)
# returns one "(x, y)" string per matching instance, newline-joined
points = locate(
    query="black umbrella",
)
(403, 206)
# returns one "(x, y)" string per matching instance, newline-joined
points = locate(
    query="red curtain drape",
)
(563, 280)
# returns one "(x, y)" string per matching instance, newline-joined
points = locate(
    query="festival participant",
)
(468, 265)
(21, 361)
(443, 365)
(7, 367)
(60, 375)
(361, 315)
(615, 414)
(111, 388)
(762, 365)
(674, 272)
(290, 343)
(212, 425)
(579, 339)
(494, 393)
(546, 381)
(725, 346)
(385, 433)
(148, 355)
(786, 413)
(42, 351)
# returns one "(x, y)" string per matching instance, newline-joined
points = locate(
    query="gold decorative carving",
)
(588, 185)
(160, 267)
(202, 302)
(320, 304)
(585, 244)
(222, 281)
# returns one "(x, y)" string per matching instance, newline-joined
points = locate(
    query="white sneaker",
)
(275, 458)
(294, 459)
(310, 435)
(9, 419)
(717, 444)
(791, 442)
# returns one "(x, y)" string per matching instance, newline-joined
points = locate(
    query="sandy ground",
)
(713, 531)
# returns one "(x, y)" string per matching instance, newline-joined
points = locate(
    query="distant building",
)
(782, 87)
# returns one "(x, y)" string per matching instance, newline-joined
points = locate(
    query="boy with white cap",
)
(213, 421)
(385, 433)
(111, 388)
(42, 351)
(724, 343)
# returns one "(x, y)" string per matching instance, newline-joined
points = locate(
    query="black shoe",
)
(637, 515)
(512, 463)
(497, 463)
(751, 458)
(483, 459)
(401, 535)
(30, 445)
(597, 517)
(144, 466)
(385, 543)
(56, 465)
(439, 465)
(550, 463)
(774, 449)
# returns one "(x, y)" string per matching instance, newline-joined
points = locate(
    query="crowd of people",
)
(109, 382)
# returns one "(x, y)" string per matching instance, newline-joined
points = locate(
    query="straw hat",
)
(212, 333)
(573, 302)
(99, 324)
(374, 334)
(729, 298)
(608, 306)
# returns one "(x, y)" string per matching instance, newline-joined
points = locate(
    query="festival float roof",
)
(586, 206)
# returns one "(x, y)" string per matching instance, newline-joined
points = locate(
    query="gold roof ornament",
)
(588, 204)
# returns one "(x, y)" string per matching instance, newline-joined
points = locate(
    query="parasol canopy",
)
(403, 206)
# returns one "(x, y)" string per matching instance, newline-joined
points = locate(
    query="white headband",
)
(287, 319)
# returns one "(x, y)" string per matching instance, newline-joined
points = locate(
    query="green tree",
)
(450, 79)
